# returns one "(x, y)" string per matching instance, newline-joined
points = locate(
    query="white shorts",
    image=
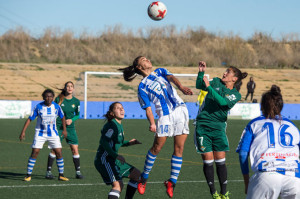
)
(271, 185)
(176, 123)
(53, 142)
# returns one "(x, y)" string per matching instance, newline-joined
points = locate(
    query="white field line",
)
(96, 184)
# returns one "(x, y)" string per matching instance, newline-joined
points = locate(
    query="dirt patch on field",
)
(27, 81)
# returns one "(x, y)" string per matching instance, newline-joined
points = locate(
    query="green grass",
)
(14, 156)
(124, 87)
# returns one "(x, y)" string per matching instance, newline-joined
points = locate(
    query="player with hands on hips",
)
(112, 166)
(46, 113)
(272, 143)
(173, 121)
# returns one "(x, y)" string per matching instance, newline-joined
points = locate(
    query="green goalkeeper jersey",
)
(71, 109)
(112, 138)
(219, 100)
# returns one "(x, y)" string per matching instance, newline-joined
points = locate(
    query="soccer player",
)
(108, 162)
(45, 130)
(71, 108)
(272, 142)
(173, 115)
(210, 133)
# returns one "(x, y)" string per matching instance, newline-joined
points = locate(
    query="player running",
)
(272, 142)
(210, 133)
(45, 130)
(108, 162)
(173, 115)
(71, 108)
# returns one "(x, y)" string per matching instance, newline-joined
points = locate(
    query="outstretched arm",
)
(199, 82)
(183, 89)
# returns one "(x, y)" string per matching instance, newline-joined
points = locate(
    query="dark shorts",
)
(72, 138)
(208, 139)
(112, 170)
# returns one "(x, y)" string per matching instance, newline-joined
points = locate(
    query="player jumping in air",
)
(108, 162)
(45, 130)
(173, 121)
(272, 143)
(210, 133)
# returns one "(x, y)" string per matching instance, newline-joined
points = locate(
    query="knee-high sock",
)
(222, 174)
(208, 169)
(114, 194)
(30, 165)
(149, 162)
(51, 158)
(176, 163)
(76, 161)
(60, 165)
(131, 188)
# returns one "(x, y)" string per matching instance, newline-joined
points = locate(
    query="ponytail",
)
(109, 114)
(63, 92)
(238, 73)
(130, 72)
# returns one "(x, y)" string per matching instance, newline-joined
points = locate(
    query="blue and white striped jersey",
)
(273, 145)
(46, 118)
(157, 89)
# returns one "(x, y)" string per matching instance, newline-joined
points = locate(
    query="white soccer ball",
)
(157, 10)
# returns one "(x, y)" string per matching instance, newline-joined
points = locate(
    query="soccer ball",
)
(157, 10)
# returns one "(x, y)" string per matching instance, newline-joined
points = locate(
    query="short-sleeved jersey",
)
(157, 89)
(112, 138)
(71, 108)
(273, 145)
(46, 118)
(211, 113)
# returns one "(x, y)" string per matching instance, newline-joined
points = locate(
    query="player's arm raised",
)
(183, 89)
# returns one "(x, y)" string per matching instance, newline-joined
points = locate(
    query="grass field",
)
(191, 184)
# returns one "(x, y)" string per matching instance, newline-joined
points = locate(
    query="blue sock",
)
(60, 165)
(30, 165)
(176, 163)
(149, 162)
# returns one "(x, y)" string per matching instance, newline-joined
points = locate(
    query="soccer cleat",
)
(62, 178)
(27, 178)
(142, 186)
(226, 196)
(170, 188)
(78, 175)
(49, 175)
(216, 196)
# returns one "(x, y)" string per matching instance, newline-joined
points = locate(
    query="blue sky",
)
(241, 17)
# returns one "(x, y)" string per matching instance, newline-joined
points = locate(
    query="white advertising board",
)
(14, 109)
(245, 111)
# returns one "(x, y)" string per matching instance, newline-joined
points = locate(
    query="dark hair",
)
(47, 91)
(109, 116)
(272, 103)
(63, 92)
(130, 72)
(238, 73)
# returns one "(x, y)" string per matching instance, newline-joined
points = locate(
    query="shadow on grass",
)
(17, 176)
